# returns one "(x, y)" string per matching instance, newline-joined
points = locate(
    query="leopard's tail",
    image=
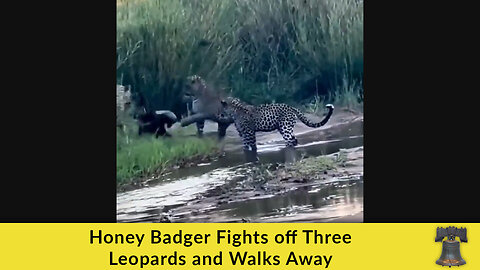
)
(309, 123)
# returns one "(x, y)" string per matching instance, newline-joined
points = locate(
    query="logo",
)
(451, 247)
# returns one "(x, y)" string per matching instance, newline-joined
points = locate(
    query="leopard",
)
(249, 119)
(124, 101)
(124, 97)
(205, 105)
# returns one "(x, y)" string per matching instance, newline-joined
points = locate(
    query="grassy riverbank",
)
(146, 156)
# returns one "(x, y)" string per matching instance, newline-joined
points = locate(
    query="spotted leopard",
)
(124, 101)
(249, 119)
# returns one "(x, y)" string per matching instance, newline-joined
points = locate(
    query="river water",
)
(190, 194)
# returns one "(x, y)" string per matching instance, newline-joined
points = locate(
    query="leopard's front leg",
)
(249, 141)
(247, 134)
(250, 146)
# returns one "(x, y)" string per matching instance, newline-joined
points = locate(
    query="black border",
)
(61, 163)
(417, 117)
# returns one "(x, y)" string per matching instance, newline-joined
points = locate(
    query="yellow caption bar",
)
(229, 246)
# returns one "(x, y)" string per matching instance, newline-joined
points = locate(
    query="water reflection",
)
(337, 198)
(312, 203)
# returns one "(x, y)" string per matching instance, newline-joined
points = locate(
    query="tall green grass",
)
(348, 95)
(260, 50)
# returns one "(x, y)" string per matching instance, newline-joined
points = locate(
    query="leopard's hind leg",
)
(286, 130)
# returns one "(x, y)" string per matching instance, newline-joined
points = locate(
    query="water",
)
(195, 194)
(308, 204)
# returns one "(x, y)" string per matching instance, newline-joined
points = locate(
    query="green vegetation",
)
(348, 96)
(307, 168)
(142, 156)
(301, 52)
(262, 51)
(314, 165)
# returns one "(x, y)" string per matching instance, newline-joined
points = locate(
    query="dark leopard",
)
(205, 105)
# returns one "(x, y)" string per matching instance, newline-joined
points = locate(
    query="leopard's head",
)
(232, 106)
(231, 102)
(195, 86)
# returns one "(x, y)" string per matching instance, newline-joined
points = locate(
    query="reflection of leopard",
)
(249, 119)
